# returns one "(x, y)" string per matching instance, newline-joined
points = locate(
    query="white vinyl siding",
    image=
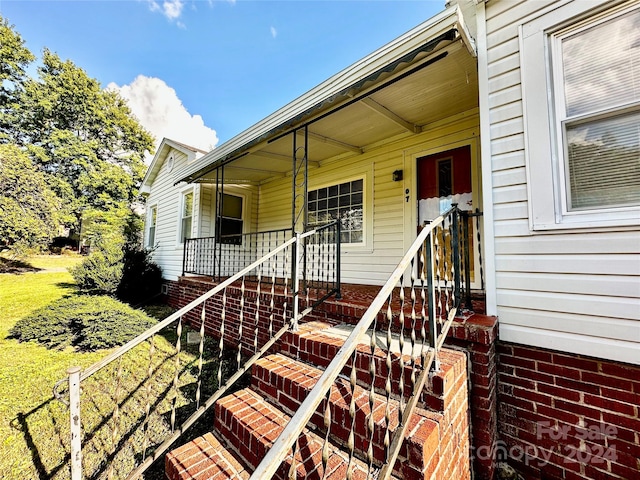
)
(576, 291)
(166, 196)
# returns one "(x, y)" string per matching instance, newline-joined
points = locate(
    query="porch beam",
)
(336, 143)
(385, 112)
(279, 157)
(274, 173)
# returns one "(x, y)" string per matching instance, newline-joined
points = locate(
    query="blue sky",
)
(201, 71)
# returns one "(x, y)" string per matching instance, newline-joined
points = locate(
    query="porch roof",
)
(427, 74)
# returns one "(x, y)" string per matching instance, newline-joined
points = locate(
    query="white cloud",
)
(274, 32)
(172, 9)
(159, 110)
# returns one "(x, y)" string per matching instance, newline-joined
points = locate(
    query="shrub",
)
(141, 277)
(101, 271)
(85, 322)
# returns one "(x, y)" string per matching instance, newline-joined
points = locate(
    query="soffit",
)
(435, 84)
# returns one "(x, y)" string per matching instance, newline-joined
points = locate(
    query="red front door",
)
(443, 179)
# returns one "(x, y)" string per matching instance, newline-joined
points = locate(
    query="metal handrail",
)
(282, 445)
(173, 317)
(75, 376)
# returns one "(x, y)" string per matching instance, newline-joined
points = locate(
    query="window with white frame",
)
(343, 201)
(583, 116)
(230, 223)
(152, 219)
(187, 215)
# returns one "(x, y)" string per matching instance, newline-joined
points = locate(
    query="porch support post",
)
(219, 207)
(295, 282)
(299, 201)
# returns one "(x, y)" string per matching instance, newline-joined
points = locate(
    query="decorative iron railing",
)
(420, 299)
(222, 257)
(127, 410)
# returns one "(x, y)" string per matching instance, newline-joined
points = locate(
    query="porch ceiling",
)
(429, 87)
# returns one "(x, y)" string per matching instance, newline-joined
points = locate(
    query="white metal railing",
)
(429, 272)
(254, 333)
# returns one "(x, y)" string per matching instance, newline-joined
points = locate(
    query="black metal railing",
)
(231, 253)
(320, 264)
(469, 275)
(318, 249)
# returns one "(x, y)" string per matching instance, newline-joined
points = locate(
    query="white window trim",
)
(183, 194)
(543, 154)
(367, 205)
(150, 209)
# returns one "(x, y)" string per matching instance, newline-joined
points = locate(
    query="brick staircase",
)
(247, 422)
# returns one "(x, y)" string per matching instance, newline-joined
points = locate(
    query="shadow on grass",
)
(71, 286)
(21, 423)
(126, 413)
(16, 267)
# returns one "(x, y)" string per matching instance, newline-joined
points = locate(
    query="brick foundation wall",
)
(186, 290)
(570, 417)
(477, 336)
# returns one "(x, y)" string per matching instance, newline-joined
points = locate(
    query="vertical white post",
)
(76, 427)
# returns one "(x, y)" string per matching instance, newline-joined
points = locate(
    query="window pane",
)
(187, 209)
(602, 65)
(604, 162)
(342, 201)
(232, 206)
(186, 228)
(230, 231)
(445, 180)
(152, 237)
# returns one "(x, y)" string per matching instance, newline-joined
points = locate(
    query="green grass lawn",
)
(34, 426)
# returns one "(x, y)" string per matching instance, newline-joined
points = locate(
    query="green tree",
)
(83, 136)
(14, 59)
(28, 207)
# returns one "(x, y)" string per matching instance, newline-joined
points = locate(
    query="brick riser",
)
(313, 347)
(437, 444)
(287, 383)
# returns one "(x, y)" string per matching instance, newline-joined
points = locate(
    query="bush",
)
(84, 322)
(101, 271)
(141, 278)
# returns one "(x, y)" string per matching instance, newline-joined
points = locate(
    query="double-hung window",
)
(230, 221)
(187, 215)
(152, 221)
(583, 116)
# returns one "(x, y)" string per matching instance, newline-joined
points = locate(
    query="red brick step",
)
(252, 424)
(205, 458)
(287, 383)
